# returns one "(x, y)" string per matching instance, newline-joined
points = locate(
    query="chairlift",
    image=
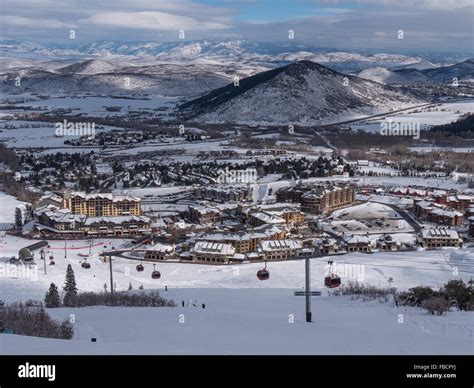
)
(263, 274)
(85, 265)
(332, 280)
(155, 274)
(140, 267)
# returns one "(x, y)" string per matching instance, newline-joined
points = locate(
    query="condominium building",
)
(203, 214)
(101, 204)
(225, 194)
(53, 221)
(318, 199)
(440, 214)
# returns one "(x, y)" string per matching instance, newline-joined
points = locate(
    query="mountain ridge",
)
(304, 91)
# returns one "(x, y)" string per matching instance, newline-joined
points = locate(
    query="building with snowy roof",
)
(160, 252)
(280, 249)
(212, 252)
(440, 238)
(357, 243)
(101, 204)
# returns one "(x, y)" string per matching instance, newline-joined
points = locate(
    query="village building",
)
(318, 199)
(97, 205)
(437, 213)
(439, 238)
(357, 243)
(387, 243)
(327, 246)
(262, 218)
(224, 194)
(203, 214)
(119, 226)
(280, 249)
(51, 220)
(212, 252)
(160, 252)
(245, 241)
(50, 199)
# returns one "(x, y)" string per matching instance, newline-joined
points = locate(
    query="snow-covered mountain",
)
(387, 76)
(463, 72)
(94, 76)
(303, 93)
(191, 68)
(268, 54)
(92, 66)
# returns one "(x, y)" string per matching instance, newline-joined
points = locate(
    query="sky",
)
(427, 25)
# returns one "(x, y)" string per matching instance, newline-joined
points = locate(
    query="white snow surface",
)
(244, 315)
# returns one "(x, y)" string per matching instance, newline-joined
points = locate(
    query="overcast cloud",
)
(442, 25)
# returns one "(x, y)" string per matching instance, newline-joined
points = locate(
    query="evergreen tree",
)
(141, 287)
(52, 298)
(70, 288)
(67, 330)
(130, 287)
(18, 217)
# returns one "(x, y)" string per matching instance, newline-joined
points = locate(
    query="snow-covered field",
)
(253, 322)
(96, 105)
(444, 113)
(8, 203)
(244, 315)
(27, 134)
(366, 211)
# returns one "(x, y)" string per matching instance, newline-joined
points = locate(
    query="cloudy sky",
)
(440, 25)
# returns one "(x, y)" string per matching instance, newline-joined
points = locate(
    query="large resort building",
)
(317, 199)
(98, 205)
(98, 215)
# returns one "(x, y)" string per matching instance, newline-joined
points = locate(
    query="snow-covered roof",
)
(60, 215)
(268, 218)
(425, 204)
(440, 233)
(110, 196)
(116, 219)
(52, 196)
(356, 239)
(162, 248)
(278, 245)
(203, 209)
(214, 248)
(263, 231)
(446, 213)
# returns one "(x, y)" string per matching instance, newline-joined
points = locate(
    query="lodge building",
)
(318, 199)
(101, 204)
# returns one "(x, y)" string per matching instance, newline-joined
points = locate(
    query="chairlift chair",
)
(263, 274)
(155, 274)
(332, 280)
